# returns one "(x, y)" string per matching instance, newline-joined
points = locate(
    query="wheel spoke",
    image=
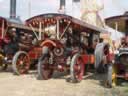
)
(21, 71)
(22, 63)
(21, 57)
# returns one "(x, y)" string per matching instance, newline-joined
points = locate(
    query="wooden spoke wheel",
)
(76, 68)
(20, 63)
(44, 70)
(111, 76)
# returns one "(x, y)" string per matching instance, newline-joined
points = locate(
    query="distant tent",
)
(90, 12)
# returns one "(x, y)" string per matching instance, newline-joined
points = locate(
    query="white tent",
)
(90, 12)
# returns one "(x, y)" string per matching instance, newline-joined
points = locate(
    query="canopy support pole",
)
(65, 30)
(2, 35)
(34, 31)
(58, 29)
(40, 30)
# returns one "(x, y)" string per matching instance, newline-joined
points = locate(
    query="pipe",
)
(76, 0)
(13, 9)
(62, 3)
(62, 6)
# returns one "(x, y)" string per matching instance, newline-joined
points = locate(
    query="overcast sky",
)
(111, 7)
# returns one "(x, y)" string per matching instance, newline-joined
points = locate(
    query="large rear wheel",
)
(20, 63)
(77, 68)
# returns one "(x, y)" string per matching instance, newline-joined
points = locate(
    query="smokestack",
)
(13, 9)
(76, 0)
(62, 6)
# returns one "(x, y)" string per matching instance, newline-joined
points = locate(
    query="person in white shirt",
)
(99, 54)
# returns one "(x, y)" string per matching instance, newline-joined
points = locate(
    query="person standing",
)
(99, 56)
(12, 46)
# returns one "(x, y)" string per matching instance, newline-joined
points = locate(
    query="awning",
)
(119, 23)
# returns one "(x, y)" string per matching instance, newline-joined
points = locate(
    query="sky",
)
(111, 8)
(25, 9)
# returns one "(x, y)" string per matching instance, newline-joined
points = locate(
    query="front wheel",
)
(77, 68)
(20, 63)
(44, 70)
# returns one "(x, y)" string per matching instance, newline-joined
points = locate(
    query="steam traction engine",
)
(120, 67)
(19, 46)
(4, 39)
(69, 45)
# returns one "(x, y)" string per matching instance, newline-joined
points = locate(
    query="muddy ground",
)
(28, 85)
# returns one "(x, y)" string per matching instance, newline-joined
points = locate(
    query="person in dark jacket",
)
(12, 47)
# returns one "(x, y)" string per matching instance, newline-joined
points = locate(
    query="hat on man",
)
(13, 29)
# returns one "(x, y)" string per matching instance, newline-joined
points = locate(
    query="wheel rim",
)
(78, 69)
(47, 71)
(23, 63)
